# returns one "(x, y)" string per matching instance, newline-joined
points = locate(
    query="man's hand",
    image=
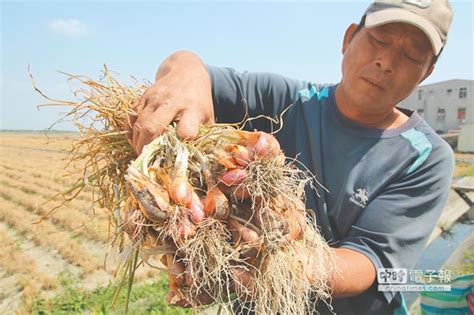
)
(182, 91)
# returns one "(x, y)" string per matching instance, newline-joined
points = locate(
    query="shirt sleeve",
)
(394, 227)
(236, 94)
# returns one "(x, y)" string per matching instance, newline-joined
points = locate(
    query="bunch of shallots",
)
(225, 214)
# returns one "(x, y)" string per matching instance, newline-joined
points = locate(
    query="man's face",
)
(383, 65)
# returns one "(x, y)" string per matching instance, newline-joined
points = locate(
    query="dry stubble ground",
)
(57, 266)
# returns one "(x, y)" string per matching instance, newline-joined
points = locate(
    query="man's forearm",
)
(355, 273)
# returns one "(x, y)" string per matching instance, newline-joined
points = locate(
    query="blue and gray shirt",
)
(386, 188)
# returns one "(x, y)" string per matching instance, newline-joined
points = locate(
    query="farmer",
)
(387, 173)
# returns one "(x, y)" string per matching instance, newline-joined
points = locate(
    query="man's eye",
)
(378, 41)
(415, 60)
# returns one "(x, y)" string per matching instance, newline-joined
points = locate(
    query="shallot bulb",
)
(216, 204)
(241, 154)
(263, 144)
(243, 233)
(181, 191)
(241, 193)
(234, 177)
(266, 145)
(196, 209)
(186, 229)
(227, 160)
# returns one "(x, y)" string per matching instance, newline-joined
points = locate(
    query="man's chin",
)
(364, 98)
(366, 101)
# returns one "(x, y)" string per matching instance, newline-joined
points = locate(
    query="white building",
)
(444, 105)
(466, 138)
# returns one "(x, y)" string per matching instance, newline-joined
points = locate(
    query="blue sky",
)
(300, 39)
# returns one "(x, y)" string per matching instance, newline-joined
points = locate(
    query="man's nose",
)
(387, 61)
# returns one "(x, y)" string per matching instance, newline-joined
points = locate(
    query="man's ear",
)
(428, 72)
(350, 32)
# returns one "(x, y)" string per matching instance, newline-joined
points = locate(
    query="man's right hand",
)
(182, 92)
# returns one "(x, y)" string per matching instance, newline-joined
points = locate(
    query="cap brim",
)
(392, 15)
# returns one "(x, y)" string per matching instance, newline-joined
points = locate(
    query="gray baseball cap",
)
(433, 17)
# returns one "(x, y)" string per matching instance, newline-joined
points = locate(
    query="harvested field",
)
(57, 265)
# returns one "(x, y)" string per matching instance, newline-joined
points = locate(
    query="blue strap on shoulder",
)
(418, 141)
(306, 94)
